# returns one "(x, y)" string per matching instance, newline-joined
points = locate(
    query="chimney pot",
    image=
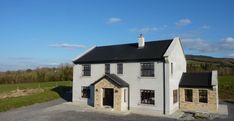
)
(141, 41)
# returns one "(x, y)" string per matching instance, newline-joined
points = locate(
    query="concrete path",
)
(60, 110)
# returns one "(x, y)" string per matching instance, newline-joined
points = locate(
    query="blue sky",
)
(35, 33)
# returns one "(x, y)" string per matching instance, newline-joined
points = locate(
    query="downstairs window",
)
(203, 96)
(188, 95)
(85, 91)
(175, 96)
(147, 97)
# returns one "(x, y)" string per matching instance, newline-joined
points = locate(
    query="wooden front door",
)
(108, 97)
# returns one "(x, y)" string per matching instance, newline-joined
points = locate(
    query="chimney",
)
(214, 78)
(141, 41)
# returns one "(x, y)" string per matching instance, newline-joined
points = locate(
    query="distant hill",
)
(198, 63)
(207, 59)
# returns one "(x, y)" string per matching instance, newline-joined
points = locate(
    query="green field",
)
(51, 91)
(44, 85)
(226, 88)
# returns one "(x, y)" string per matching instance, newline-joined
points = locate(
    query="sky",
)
(46, 33)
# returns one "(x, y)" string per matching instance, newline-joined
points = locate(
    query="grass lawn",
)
(226, 88)
(51, 91)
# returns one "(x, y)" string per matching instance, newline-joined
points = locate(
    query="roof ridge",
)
(109, 75)
(134, 43)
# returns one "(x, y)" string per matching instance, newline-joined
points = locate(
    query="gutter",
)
(128, 98)
(164, 83)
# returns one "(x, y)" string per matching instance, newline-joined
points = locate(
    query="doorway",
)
(108, 97)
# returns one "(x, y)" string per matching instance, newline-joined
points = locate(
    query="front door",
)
(108, 97)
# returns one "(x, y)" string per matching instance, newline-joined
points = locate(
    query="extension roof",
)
(114, 79)
(196, 80)
(153, 50)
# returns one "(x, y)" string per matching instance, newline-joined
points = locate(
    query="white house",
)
(148, 76)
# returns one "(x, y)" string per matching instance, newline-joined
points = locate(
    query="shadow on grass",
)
(64, 92)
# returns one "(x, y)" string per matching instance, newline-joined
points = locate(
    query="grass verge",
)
(52, 90)
(226, 88)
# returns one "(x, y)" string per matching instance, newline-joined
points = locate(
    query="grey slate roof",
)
(113, 78)
(199, 80)
(153, 50)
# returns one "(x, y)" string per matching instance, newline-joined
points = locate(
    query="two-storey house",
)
(135, 76)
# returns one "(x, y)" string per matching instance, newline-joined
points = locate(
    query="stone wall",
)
(99, 97)
(195, 105)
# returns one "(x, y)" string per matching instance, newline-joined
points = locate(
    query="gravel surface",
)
(58, 111)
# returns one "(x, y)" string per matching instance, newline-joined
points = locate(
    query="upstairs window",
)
(119, 68)
(87, 70)
(203, 96)
(107, 68)
(85, 92)
(147, 69)
(147, 97)
(188, 95)
(171, 68)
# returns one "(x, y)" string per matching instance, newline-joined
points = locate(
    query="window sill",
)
(203, 102)
(188, 101)
(84, 97)
(146, 105)
(120, 74)
(145, 77)
(175, 102)
(86, 76)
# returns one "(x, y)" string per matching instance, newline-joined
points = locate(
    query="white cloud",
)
(205, 27)
(65, 45)
(114, 20)
(200, 45)
(183, 22)
(229, 40)
(227, 43)
(144, 30)
(230, 56)
(147, 29)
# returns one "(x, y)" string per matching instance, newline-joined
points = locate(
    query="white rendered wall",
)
(176, 56)
(131, 74)
(124, 105)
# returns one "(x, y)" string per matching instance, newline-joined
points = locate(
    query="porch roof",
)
(114, 79)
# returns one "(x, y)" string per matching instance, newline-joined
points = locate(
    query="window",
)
(147, 97)
(203, 96)
(107, 68)
(147, 69)
(125, 95)
(87, 70)
(175, 96)
(188, 95)
(85, 92)
(119, 68)
(171, 68)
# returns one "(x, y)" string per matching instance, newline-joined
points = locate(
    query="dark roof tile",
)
(201, 79)
(153, 50)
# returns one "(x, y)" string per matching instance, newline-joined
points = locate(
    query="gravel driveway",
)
(58, 111)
